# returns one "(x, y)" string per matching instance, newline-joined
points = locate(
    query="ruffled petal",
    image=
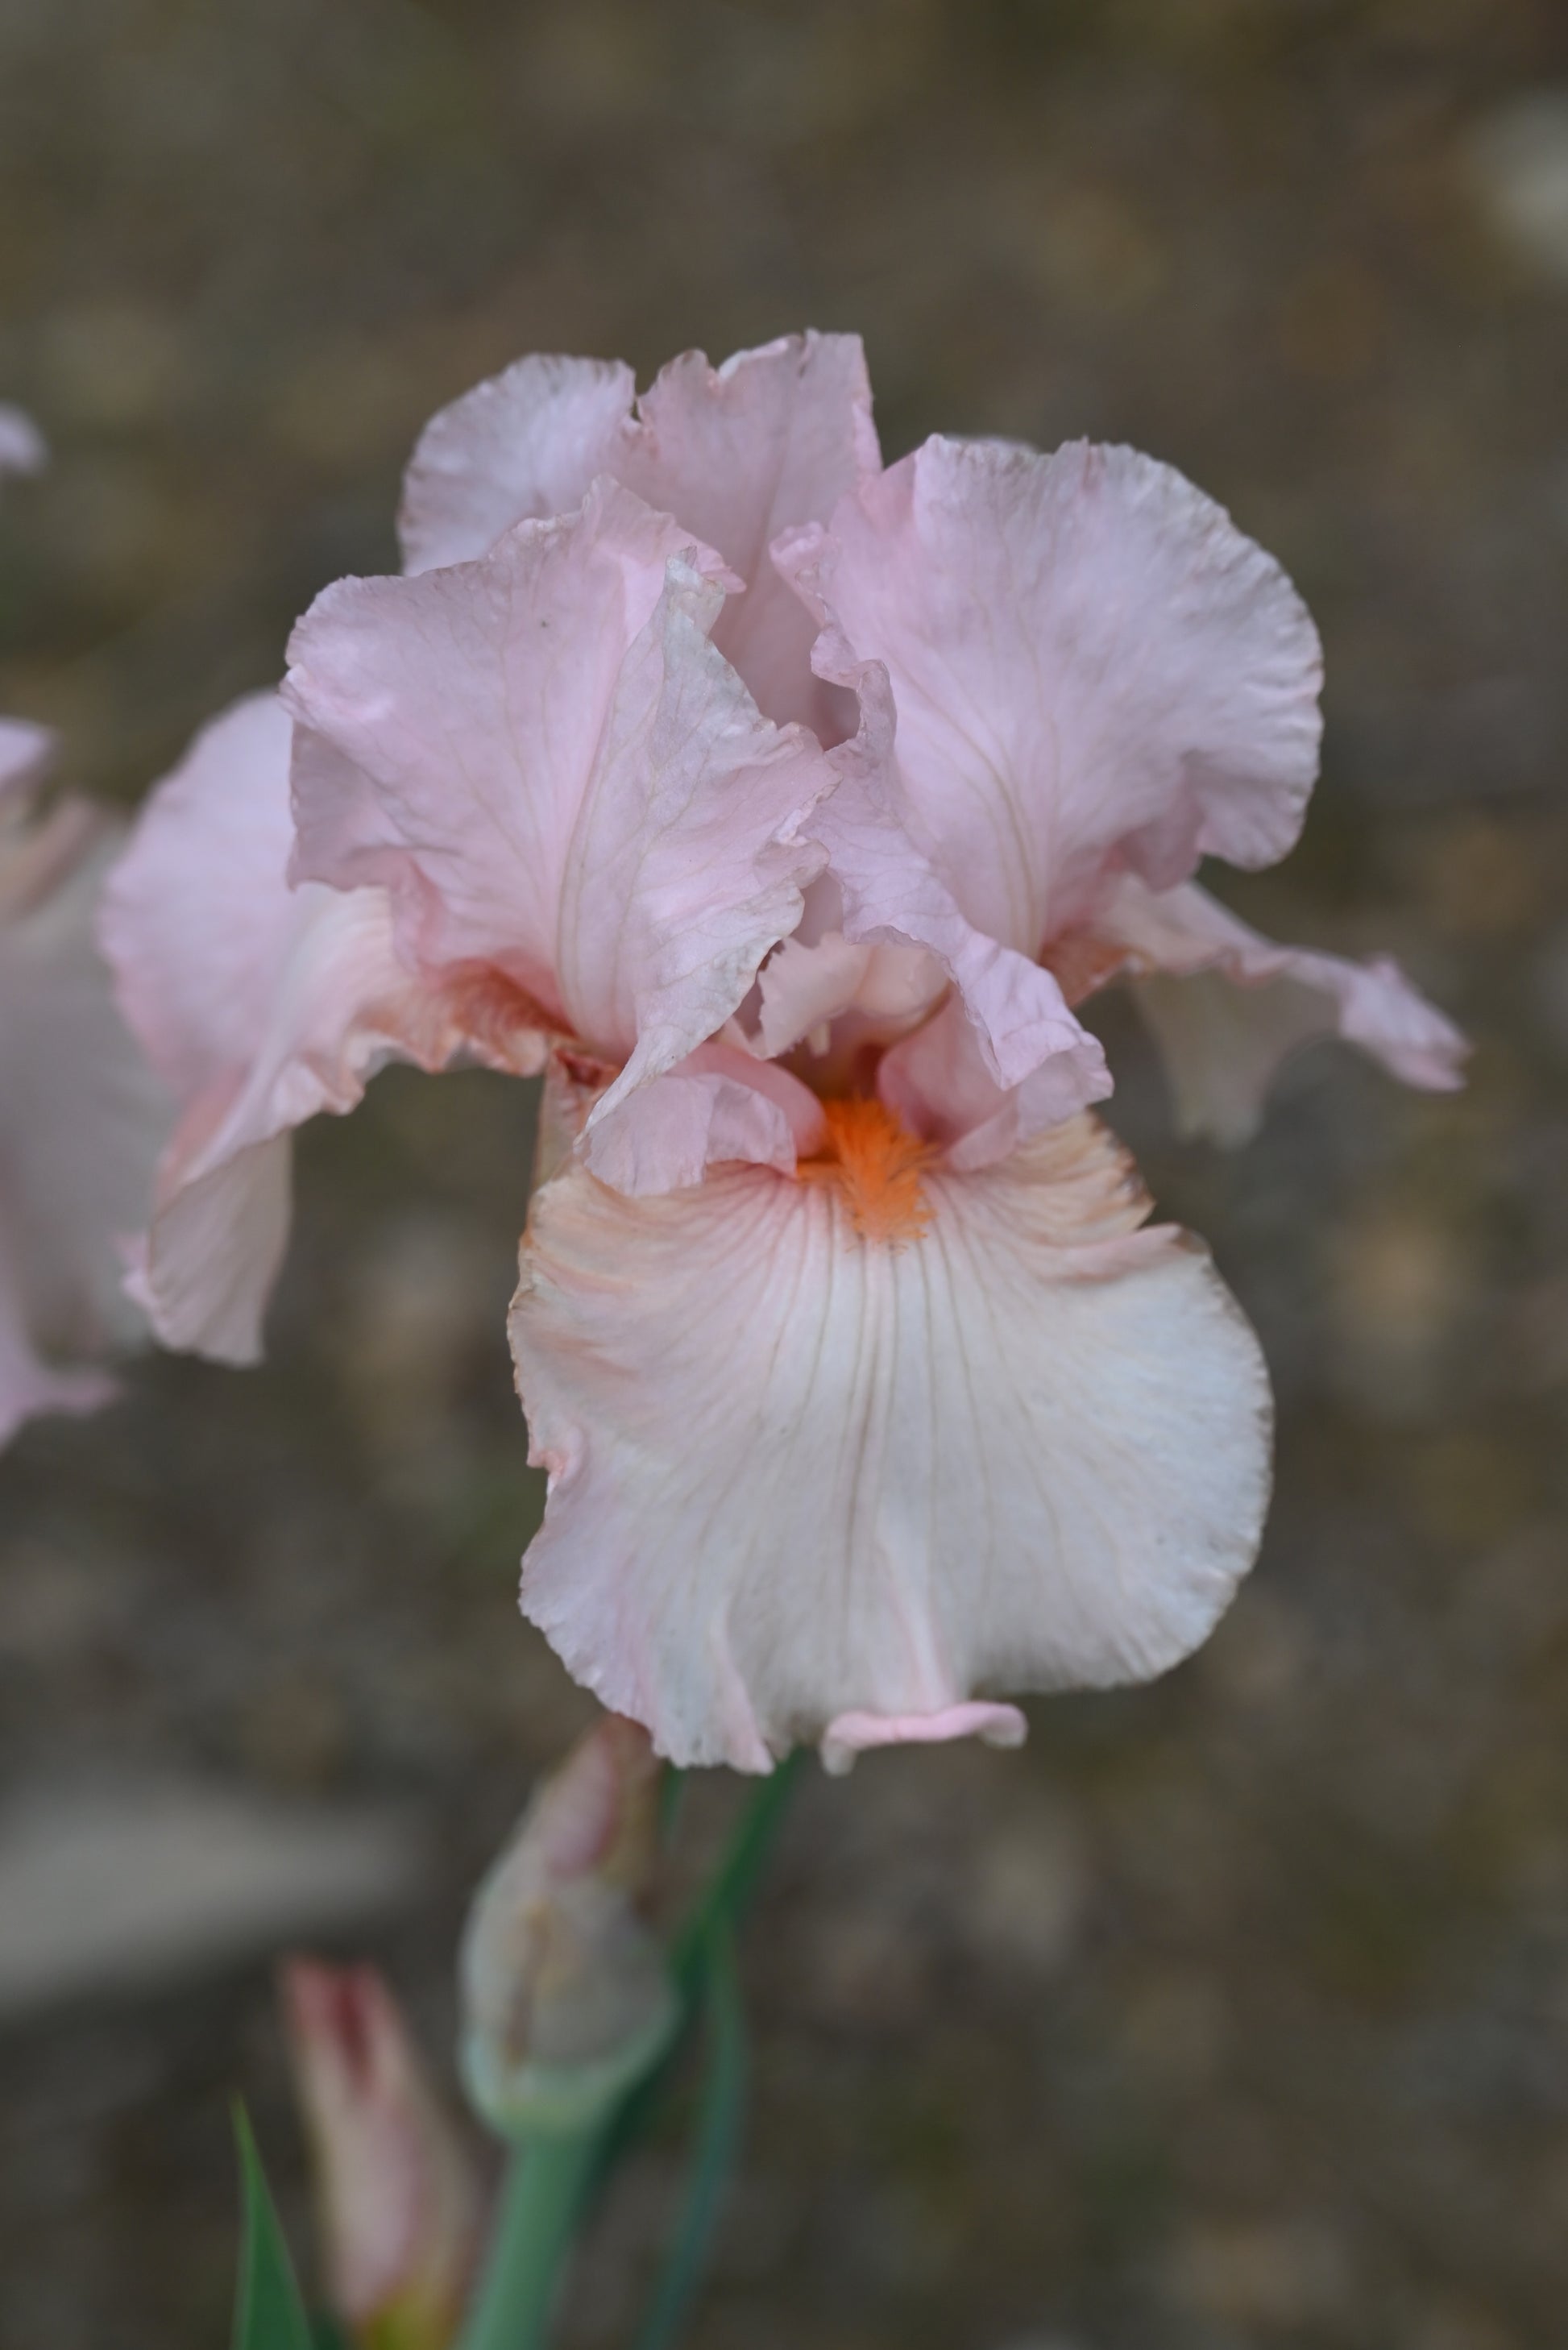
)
(547, 761)
(799, 1474)
(519, 448)
(892, 895)
(450, 726)
(1092, 667)
(1227, 1005)
(261, 1005)
(737, 453)
(719, 1104)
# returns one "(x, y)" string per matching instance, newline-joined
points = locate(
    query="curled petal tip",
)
(855, 1733)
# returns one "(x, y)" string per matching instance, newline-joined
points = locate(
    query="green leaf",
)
(268, 2312)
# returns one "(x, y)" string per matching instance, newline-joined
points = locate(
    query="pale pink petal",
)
(891, 894)
(451, 727)
(689, 862)
(937, 1082)
(25, 754)
(1227, 1005)
(737, 453)
(799, 1474)
(547, 761)
(803, 987)
(858, 1733)
(29, 1386)
(261, 1005)
(522, 447)
(719, 1104)
(1091, 666)
(23, 448)
(82, 1117)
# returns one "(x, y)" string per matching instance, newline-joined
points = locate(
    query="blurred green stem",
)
(533, 2225)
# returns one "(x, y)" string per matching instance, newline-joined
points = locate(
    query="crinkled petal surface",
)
(545, 759)
(891, 894)
(737, 453)
(799, 1474)
(1227, 1005)
(260, 1004)
(1091, 666)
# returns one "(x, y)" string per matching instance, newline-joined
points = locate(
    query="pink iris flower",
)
(80, 1117)
(781, 808)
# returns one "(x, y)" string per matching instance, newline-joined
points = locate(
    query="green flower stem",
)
(719, 2123)
(533, 2226)
(728, 1893)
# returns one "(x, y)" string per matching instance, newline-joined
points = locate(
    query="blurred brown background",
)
(1235, 2011)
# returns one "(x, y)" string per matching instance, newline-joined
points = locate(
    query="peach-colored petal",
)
(858, 1733)
(260, 1005)
(1091, 666)
(798, 1474)
(737, 453)
(1227, 1005)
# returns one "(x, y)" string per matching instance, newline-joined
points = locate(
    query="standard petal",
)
(719, 1104)
(451, 727)
(1092, 667)
(1227, 1005)
(891, 894)
(737, 453)
(799, 1474)
(521, 447)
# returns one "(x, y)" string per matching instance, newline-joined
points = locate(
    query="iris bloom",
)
(782, 808)
(81, 1120)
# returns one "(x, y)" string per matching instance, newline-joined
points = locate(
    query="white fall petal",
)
(801, 1478)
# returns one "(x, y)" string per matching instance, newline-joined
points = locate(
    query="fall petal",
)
(1227, 1005)
(799, 1474)
(260, 1004)
(1091, 665)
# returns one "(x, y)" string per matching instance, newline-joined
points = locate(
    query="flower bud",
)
(566, 1999)
(397, 2196)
